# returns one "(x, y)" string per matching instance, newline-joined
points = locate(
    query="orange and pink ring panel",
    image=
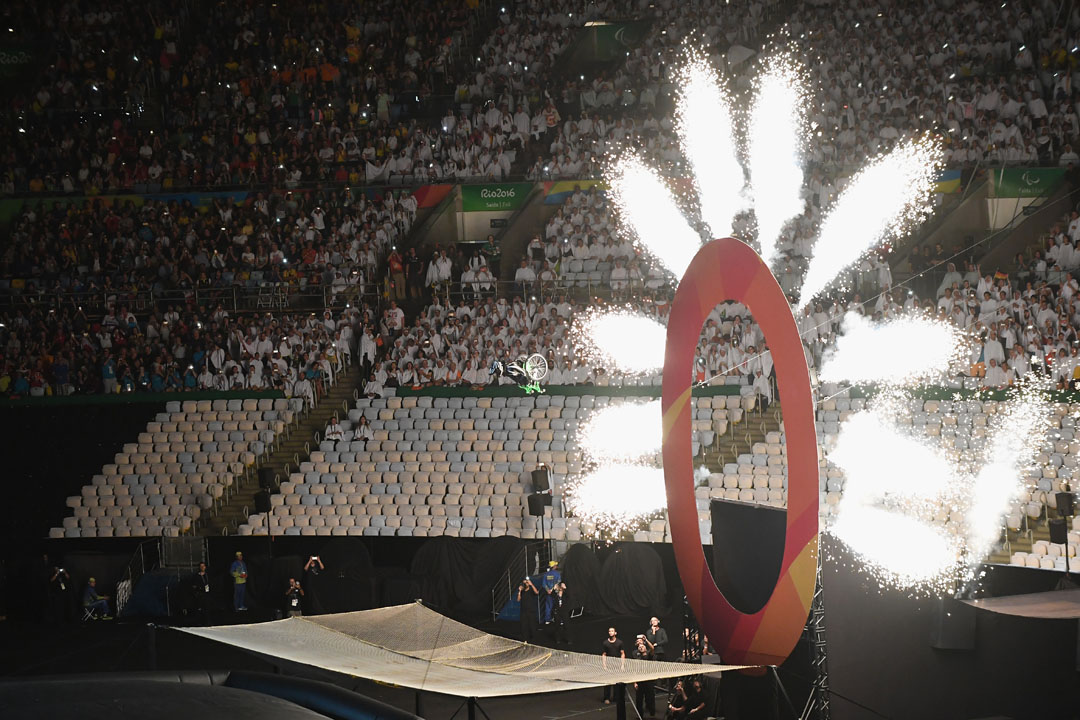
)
(728, 269)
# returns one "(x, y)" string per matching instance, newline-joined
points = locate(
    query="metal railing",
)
(527, 561)
(145, 559)
(233, 299)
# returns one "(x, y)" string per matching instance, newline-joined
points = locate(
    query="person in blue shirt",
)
(157, 382)
(21, 386)
(239, 573)
(190, 381)
(548, 581)
(108, 374)
(98, 604)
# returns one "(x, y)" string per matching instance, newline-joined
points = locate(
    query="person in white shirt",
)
(762, 389)
(524, 278)
(995, 376)
(334, 431)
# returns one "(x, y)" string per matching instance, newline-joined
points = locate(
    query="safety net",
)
(413, 646)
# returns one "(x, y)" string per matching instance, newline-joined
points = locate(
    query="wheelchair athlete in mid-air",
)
(526, 371)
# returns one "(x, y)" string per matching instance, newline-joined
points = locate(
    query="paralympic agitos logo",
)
(729, 269)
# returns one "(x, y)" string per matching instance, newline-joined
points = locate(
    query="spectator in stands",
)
(611, 647)
(239, 572)
(95, 603)
(334, 431)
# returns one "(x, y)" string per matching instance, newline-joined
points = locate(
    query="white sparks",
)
(887, 512)
(704, 123)
(881, 201)
(868, 352)
(649, 209)
(775, 137)
(904, 551)
(623, 339)
(628, 431)
(1018, 434)
(617, 496)
(917, 476)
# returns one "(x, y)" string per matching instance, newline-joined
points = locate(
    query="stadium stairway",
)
(290, 452)
(742, 437)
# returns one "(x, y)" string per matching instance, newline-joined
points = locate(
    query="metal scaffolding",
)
(817, 705)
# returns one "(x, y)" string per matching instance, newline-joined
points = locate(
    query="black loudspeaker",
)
(541, 480)
(1066, 504)
(262, 502)
(952, 625)
(266, 478)
(1059, 531)
(537, 503)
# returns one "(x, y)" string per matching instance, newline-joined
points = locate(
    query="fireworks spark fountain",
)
(775, 134)
(925, 557)
(924, 476)
(939, 499)
(1018, 435)
(630, 431)
(617, 496)
(647, 206)
(621, 338)
(868, 352)
(881, 201)
(704, 124)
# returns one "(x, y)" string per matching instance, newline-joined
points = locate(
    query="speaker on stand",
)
(541, 479)
(537, 503)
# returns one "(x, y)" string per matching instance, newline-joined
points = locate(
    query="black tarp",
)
(629, 580)
(345, 583)
(456, 574)
(632, 580)
(581, 573)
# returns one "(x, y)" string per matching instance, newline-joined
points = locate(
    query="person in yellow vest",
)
(239, 573)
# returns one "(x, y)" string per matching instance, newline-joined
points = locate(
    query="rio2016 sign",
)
(494, 198)
(728, 269)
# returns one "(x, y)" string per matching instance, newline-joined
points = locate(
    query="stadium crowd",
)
(291, 96)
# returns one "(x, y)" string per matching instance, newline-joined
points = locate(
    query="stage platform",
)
(1053, 605)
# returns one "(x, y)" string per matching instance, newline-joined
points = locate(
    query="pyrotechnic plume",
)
(624, 432)
(617, 496)
(895, 485)
(621, 339)
(883, 200)
(704, 124)
(900, 551)
(915, 476)
(776, 134)
(648, 208)
(904, 351)
(1019, 430)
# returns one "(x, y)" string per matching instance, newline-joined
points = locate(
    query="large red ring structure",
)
(728, 269)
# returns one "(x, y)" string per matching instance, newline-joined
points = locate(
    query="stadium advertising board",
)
(494, 198)
(1027, 182)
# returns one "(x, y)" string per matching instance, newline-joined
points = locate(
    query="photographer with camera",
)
(644, 692)
(293, 595)
(687, 703)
